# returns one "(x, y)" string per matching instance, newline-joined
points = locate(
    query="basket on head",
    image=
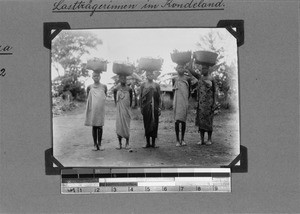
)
(97, 65)
(150, 64)
(181, 58)
(205, 58)
(122, 68)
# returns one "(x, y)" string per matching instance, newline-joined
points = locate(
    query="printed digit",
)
(147, 189)
(165, 189)
(71, 190)
(198, 188)
(2, 72)
(130, 189)
(114, 189)
(181, 188)
(97, 189)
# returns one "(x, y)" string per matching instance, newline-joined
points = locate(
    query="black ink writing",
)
(93, 6)
(150, 6)
(2, 72)
(90, 6)
(5, 50)
(194, 5)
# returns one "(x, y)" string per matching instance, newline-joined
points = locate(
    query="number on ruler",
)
(181, 188)
(198, 188)
(114, 189)
(147, 189)
(79, 189)
(97, 189)
(71, 189)
(164, 188)
(130, 189)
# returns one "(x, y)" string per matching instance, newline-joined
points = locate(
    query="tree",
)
(212, 42)
(68, 48)
(223, 72)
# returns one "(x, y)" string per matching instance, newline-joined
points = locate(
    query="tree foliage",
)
(224, 74)
(68, 48)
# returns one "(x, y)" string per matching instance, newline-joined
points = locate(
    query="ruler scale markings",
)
(120, 180)
(156, 183)
(80, 185)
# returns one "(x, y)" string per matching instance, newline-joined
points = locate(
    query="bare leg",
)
(148, 142)
(94, 134)
(99, 132)
(209, 138)
(183, 126)
(177, 133)
(201, 137)
(120, 142)
(127, 144)
(153, 143)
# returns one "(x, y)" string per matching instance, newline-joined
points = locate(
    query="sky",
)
(132, 44)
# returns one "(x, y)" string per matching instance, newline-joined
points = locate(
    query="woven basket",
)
(150, 64)
(122, 68)
(96, 65)
(181, 58)
(205, 57)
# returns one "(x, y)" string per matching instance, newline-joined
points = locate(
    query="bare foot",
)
(96, 147)
(183, 143)
(200, 143)
(208, 142)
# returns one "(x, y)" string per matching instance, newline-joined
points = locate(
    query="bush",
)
(70, 84)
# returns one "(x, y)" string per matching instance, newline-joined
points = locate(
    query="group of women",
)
(150, 105)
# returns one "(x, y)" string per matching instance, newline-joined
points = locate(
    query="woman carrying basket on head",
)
(150, 102)
(206, 91)
(95, 106)
(123, 101)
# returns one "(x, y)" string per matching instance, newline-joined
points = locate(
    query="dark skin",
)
(180, 71)
(97, 130)
(205, 75)
(123, 81)
(150, 78)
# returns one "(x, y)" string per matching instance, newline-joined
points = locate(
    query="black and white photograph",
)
(145, 97)
(170, 107)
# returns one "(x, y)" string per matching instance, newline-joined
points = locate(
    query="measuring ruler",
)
(97, 181)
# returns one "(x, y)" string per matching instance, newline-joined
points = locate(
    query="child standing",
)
(123, 101)
(150, 102)
(205, 102)
(95, 109)
(181, 88)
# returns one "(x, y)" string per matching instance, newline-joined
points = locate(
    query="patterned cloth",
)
(123, 112)
(204, 116)
(95, 107)
(150, 102)
(181, 98)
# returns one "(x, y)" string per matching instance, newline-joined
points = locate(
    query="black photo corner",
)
(235, 27)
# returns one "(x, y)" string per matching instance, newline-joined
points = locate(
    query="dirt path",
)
(73, 142)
